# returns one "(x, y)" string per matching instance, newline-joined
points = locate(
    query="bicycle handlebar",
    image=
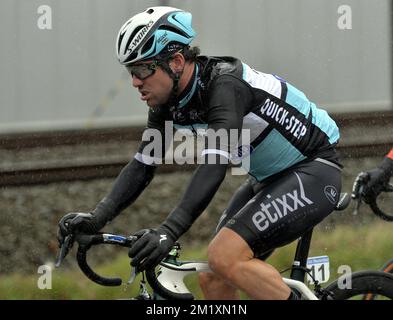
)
(85, 242)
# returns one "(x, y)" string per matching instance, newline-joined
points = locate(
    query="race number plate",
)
(319, 269)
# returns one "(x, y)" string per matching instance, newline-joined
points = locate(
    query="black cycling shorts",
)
(274, 213)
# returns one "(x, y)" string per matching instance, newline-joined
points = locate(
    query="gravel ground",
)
(29, 215)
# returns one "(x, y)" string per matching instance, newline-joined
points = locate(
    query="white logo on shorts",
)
(266, 216)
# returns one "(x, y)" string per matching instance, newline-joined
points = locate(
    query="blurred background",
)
(68, 76)
(70, 119)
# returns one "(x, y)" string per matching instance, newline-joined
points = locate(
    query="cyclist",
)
(294, 170)
(376, 178)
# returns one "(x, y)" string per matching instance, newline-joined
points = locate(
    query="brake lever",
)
(134, 272)
(67, 244)
(357, 190)
(358, 199)
(357, 206)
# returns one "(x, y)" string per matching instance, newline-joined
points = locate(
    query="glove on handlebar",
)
(377, 180)
(77, 222)
(151, 248)
(80, 222)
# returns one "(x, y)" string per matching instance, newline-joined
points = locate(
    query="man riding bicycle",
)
(294, 170)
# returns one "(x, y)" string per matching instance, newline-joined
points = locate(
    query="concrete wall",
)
(68, 76)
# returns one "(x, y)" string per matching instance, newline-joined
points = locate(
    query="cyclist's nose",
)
(136, 82)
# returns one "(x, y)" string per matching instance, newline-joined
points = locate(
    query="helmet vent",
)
(131, 57)
(132, 36)
(174, 30)
(150, 11)
(134, 33)
(147, 45)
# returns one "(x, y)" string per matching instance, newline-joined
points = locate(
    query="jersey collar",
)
(189, 91)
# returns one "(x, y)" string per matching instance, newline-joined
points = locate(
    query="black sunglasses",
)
(142, 71)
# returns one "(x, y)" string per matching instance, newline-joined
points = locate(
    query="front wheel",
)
(362, 284)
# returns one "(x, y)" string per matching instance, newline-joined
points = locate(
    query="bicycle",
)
(378, 207)
(167, 280)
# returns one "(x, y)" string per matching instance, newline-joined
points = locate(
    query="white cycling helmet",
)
(148, 33)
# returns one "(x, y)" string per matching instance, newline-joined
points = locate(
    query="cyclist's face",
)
(152, 82)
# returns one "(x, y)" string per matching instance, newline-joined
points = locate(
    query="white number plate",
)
(319, 269)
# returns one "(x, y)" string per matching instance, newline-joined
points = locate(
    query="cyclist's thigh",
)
(285, 209)
(242, 195)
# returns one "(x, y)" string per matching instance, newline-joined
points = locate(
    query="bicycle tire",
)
(387, 267)
(363, 283)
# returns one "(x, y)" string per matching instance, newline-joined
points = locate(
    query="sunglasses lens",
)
(141, 71)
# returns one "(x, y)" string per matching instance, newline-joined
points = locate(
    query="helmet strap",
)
(172, 101)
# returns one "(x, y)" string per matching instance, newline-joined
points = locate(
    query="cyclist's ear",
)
(177, 62)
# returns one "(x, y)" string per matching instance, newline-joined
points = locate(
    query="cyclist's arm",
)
(387, 163)
(227, 105)
(138, 173)
(129, 184)
(386, 166)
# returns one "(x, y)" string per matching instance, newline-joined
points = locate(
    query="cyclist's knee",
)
(226, 250)
(215, 258)
(223, 266)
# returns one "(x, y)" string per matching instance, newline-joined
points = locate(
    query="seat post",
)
(301, 255)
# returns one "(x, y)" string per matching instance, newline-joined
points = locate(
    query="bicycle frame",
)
(172, 273)
(171, 277)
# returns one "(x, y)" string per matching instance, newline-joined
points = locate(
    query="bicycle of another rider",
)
(381, 205)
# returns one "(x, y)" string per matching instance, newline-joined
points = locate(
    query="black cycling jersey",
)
(226, 94)
(284, 129)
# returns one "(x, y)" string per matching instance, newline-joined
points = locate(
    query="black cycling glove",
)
(151, 248)
(377, 180)
(80, 222)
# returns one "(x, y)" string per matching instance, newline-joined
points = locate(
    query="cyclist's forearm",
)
(387, 164)
(130, 183)
(203, 186)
